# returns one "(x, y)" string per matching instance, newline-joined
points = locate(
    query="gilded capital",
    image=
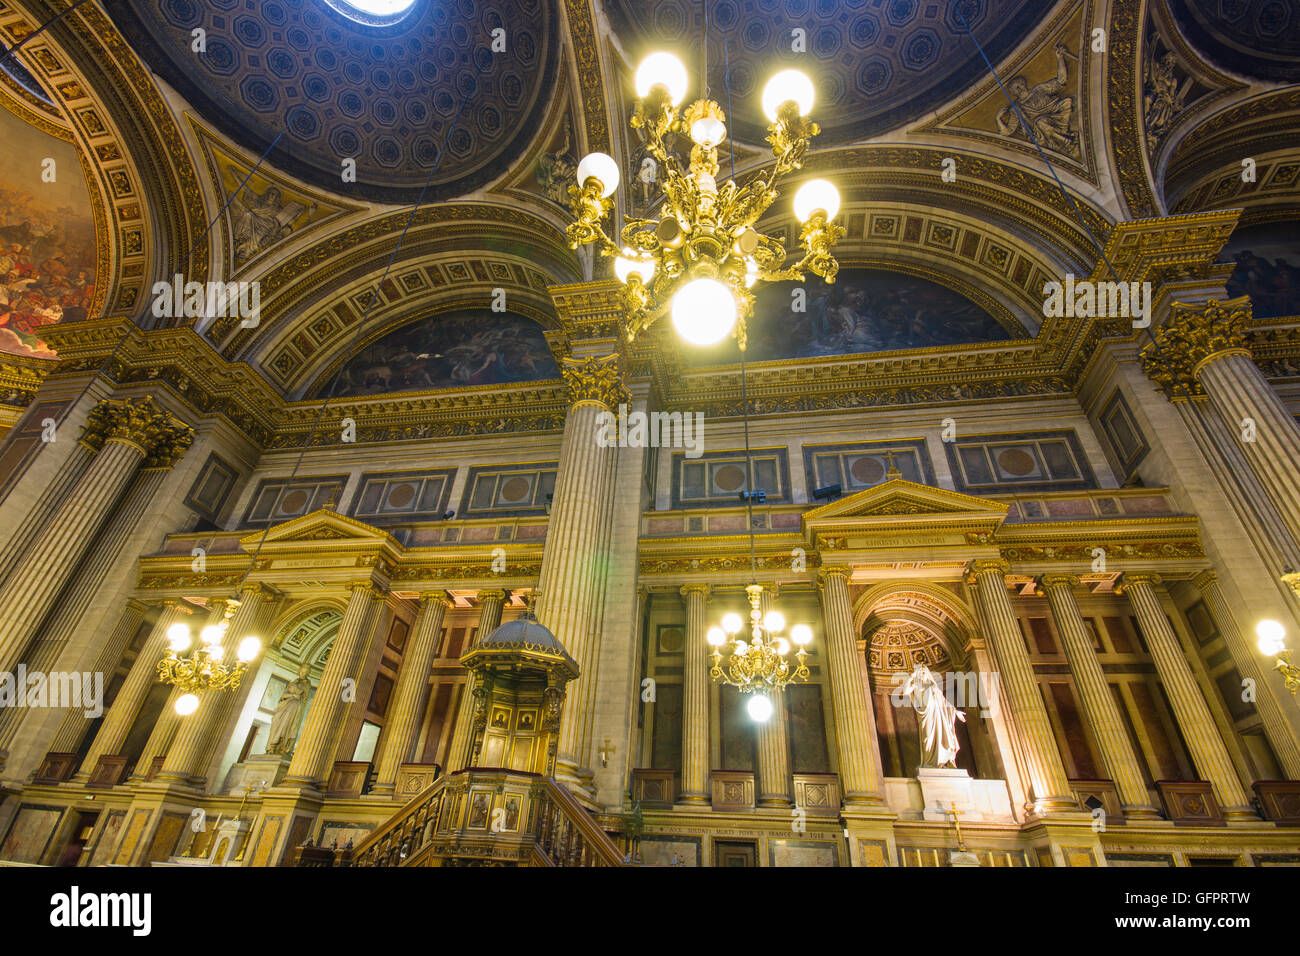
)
(686, 590)
(826, 575)
(1192, 336)
(598, 380)
(1139, 577)
(141, 423)
(1206, 579)
(1067, 581)
(497, 593)
(990, 566)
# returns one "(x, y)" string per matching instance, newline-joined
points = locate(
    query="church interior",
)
(400, 464)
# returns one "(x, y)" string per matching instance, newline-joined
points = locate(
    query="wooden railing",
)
(555, 830)
(566, 833)
(409, 831)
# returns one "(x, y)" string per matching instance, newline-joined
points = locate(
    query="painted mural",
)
(1268, 267)
(865, 310)
(47, 237)
(452, 350)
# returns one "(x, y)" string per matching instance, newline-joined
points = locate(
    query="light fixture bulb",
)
(716, 637)
(601, 167)
(186, 704)
(760, 708)
(741, 649)
(704, 311)
(708, 131)
(786, 86)
(751, 272)
(178, 637)
(774, 622)
(211, 634)
(628, 264)
(248, 648)
(801, 634)
(782, 646)
(662, 69)
(731, 622)
(1271, 638)
(813, 195)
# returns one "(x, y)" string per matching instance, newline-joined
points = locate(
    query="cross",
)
(530, 600)
(956, 822)
(893, 471)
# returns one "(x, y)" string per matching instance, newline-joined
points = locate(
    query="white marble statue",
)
(936, 717)
(288, 715)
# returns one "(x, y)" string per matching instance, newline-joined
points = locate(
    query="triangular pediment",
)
(901, 497)
(900, 505)
(323, 525)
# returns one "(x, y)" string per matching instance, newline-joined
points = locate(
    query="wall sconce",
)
(606, 751)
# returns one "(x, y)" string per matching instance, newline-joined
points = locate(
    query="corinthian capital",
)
(1192, 336)
(598, 380)
(141, 423)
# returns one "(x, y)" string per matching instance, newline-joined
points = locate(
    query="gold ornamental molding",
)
(594, 380)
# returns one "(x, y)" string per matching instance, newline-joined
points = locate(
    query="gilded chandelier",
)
(204, 669)
(703, 255)
(762, 663)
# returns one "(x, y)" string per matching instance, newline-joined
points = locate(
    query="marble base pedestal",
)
(940, 789)
(259, 772)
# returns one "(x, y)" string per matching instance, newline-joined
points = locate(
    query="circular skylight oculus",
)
(373, 12)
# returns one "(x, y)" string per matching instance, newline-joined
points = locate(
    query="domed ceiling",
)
(876, 63)
(1256, 38)
(390, 94)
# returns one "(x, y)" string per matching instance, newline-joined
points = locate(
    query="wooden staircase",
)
(489, 817)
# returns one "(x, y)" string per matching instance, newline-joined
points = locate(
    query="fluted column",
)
(67, 642)
(1190, 710)
(73, 727)
(131, 696)
(462, 740)
(124, 433)
(774, 784)
(197, 734)
(409, 695)
(312, 753)
(1272, 718)
(695, 789)
(574, 539)
(1019, 689)
(30, 524)
(1204, 347)
(855, 720)
(1099, 708)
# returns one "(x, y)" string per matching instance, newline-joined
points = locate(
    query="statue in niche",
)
(1046, 109)
(288, 714)
(261, 221)
(936, 717)
(556, 172)
(1162, 96)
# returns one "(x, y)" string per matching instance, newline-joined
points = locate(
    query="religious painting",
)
(526, 720)
(452, 350)
(30, 833)
(500, 718)
(505, 817)
(478, 808)
(47, 237)
(1268, 268)
(865, 310)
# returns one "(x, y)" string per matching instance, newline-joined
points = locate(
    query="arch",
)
(305, 631)
(923, 604)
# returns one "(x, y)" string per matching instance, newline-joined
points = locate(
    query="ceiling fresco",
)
(876, 63)
(47, 237)
(388, 96)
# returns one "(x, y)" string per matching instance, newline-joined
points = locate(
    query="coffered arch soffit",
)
(142, 180)
(931, 606)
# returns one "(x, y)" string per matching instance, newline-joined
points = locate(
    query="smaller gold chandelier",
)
(701, 257)
(762, 663)
(204, 669)
(1271, 644)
